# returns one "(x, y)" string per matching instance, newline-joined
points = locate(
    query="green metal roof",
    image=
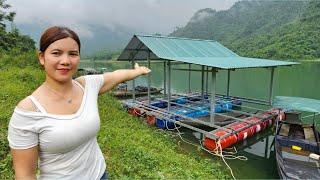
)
(196, 51)
(297, 103)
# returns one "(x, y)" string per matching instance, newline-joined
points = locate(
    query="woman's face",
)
(61, 59)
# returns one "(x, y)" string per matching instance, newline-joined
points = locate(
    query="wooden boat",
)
(89, 71)
(123, 92)
(297, 147)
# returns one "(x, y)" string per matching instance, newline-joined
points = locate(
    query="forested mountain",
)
(104, 38)
(267, 29)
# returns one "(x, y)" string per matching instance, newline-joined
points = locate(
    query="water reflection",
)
(301, 80)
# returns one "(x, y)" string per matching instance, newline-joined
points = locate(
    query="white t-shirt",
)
(68, 147)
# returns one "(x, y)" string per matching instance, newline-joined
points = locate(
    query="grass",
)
(132, 149)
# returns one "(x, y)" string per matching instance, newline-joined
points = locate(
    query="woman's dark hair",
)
(55, 33)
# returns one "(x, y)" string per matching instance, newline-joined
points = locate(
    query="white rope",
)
(179, 134)
(228, 155)
(222, 156)
(216, 152)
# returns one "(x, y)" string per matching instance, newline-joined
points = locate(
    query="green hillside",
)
(266, 29)
(133, 150)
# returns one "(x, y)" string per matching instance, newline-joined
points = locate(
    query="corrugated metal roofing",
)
(196, 51)
(297, 103)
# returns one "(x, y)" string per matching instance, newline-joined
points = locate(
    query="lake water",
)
(300, 80)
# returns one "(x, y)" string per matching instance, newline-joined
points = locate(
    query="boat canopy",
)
(297, 103)
(194, 51)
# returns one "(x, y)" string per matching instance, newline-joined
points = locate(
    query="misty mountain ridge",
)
(266, 29)
(112, 39)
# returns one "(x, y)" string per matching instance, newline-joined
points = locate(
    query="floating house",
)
(220, 113)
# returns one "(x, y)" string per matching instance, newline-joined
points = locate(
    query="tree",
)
(4, 15)
(12, 39)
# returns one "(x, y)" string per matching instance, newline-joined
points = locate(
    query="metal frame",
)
(189, 83)
(213, 92)
(149, 77)
(169, 83)
(167, 114)
(271, 86)
(228, 83)
(133, 83)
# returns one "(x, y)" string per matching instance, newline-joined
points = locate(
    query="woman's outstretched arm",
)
(112, 79)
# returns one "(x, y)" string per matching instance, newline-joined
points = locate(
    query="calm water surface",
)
(301, 80)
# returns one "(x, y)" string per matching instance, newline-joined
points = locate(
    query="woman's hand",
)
(141, 69)
(111, 79)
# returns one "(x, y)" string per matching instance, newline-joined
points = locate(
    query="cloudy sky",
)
(149, 16)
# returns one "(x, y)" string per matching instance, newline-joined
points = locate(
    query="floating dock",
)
(231, 124)
(222, 119)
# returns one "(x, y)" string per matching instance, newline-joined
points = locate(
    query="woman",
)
(59, 121)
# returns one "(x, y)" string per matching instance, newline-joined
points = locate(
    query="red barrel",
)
(265, 115)
(279, 112)
(134, 111)
(258, 124)
(151, 120)
(225, 142)
(268, 119)
(242, 133)
(270, 122)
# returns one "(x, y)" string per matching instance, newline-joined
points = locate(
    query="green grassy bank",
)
(132, 149)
